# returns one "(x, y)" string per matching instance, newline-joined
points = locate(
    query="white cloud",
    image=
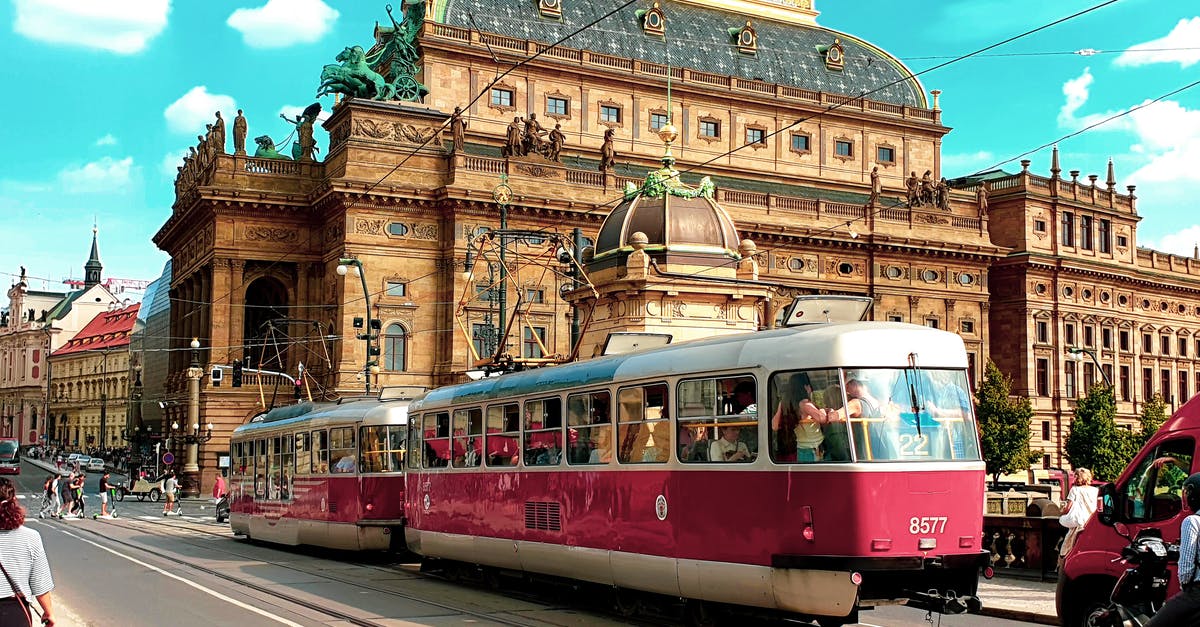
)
(121, 26)
(171, 161)
(196, 108)
(966, 163)
(1076, 90)
(107, 140)
(282, 23)
(105, 175)
(1181, 242)
(1179, 46)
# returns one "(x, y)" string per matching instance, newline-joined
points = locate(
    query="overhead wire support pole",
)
(343, 264)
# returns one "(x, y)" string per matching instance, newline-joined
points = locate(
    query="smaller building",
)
(91, 385)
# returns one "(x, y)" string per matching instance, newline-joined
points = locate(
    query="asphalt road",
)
(143, 569)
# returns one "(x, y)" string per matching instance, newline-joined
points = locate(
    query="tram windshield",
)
(872, 415)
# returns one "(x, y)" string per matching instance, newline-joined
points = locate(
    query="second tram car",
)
(328, 474)
(812, 471)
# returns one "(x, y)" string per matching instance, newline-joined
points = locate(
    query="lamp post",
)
(191, 467)
(344, 265)
(1076, 354)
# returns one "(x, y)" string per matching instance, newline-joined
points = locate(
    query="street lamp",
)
(1076, 354)
(369, 365)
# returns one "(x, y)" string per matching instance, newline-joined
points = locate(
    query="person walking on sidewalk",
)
(169, 488)
(23, 563)
(1183, 609)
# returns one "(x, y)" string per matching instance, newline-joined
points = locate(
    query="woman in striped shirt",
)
(24, 560)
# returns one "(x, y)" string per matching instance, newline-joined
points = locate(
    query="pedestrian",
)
(169, 487)
(23, 563)
(77, 492)
(106, 489)
(66, 495)
(219, 487)
(1184, 607)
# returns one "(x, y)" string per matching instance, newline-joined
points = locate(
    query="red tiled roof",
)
(110, 329)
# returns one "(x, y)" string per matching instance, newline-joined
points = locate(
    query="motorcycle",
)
(1142, 590)
(223, 508)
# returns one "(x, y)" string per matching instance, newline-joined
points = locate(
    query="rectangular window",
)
(1089, 376)
(1183, 345)
(381, 448)
(1124, 336)
(503, 430)
(1183, 388)
(341, 450)
(932, 323)
(1068, 228)
(1165, 381)
(557, 106)
(1106, 338)
(718, 420)
(895, 318)
(1069, 333)
(710, 128)
(502, 97)
(589, 419)
(1046, 461)
(396, 288)
(303, 454)
(1147, 383)
(1043, 377)
(1104, 237)
(800, 143)
(533, 340)
(468, 438)
(1124, 383)
(657, 121)
(971, 368)
(535, 296)
(1164, 343)
(1107, 370)
(1046, 430)
(320, 452)
(1069, 378)
(756, 136)
(843, 148)
(643, 425)
(1147, 343)
(884, 154)
(1122, 241)
(1089, 336)
(543, 432)
(1042, 330)
(1085, 232)
(967, 326)
(483, 338)
(436, 435)
(610, 114)
(1039, 226)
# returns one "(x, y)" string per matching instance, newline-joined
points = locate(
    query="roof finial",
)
(1112, 176)
(1054, 169)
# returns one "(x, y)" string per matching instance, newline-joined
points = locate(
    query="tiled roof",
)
(109, 329)
(699, 38)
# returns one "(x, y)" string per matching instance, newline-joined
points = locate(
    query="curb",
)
(1019, 615)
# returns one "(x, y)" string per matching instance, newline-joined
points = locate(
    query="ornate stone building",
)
(91, 388)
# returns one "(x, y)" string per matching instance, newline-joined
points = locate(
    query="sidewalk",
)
(1019, 599)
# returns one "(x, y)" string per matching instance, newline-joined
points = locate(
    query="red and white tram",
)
(813, 470)
(329, 474)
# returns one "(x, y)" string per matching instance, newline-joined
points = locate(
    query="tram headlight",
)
(370, 507)
(856, 579)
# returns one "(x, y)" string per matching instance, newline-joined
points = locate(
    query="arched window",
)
(395, 347)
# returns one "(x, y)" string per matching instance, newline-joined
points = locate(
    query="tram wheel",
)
(626, 602)
(700, 614)
(831, 622)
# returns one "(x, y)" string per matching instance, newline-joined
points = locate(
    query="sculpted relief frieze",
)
(282, 235)
(395, 131)
(369, 226)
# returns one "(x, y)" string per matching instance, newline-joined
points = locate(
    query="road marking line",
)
(193, 584)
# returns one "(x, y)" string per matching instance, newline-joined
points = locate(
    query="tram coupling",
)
(949, 603)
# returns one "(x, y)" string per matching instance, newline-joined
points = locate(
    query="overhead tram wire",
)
(412, 152)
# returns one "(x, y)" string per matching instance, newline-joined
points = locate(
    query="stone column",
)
(191, 467)
(220, 305)
(237, 308)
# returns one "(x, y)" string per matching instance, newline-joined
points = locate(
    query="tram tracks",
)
(156, 529)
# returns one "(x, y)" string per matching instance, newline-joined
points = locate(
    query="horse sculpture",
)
(354, 77)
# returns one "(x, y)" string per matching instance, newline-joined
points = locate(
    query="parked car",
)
(81, 461)
(74, 456)
(94, 464)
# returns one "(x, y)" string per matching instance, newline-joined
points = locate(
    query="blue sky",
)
(103, 95)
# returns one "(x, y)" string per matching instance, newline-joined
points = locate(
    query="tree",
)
(1095, 441)
(1154, 414)
(1003, 425)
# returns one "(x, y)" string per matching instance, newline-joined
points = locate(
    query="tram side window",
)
(320, 452)
(437, 440)
(589, 428)
(800, 429)
(397, 446)
(415, 442)
(342, 449)
(303, 454)
(543, 432)
(260, 469)
(1154, 490)
(503, 433)
(643, 425)
(287, 466)
(372, 449)
(468, 437)
(274, 468)
(718, 420)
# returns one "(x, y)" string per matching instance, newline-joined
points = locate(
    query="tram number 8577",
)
(926, 524)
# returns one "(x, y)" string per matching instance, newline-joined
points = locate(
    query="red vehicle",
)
(10, 456)
(1147, 495)
(325, 475)
(809, 472)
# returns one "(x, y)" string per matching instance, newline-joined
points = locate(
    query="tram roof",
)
(371, 410)
(833, 345)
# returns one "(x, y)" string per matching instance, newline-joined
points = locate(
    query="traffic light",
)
(237, 373)
(299, 382)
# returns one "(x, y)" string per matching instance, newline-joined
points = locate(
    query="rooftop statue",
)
(388, 70)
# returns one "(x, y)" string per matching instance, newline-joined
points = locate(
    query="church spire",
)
(91, 269)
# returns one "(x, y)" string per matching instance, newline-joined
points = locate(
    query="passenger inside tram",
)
(796, 425)
(728, 448)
